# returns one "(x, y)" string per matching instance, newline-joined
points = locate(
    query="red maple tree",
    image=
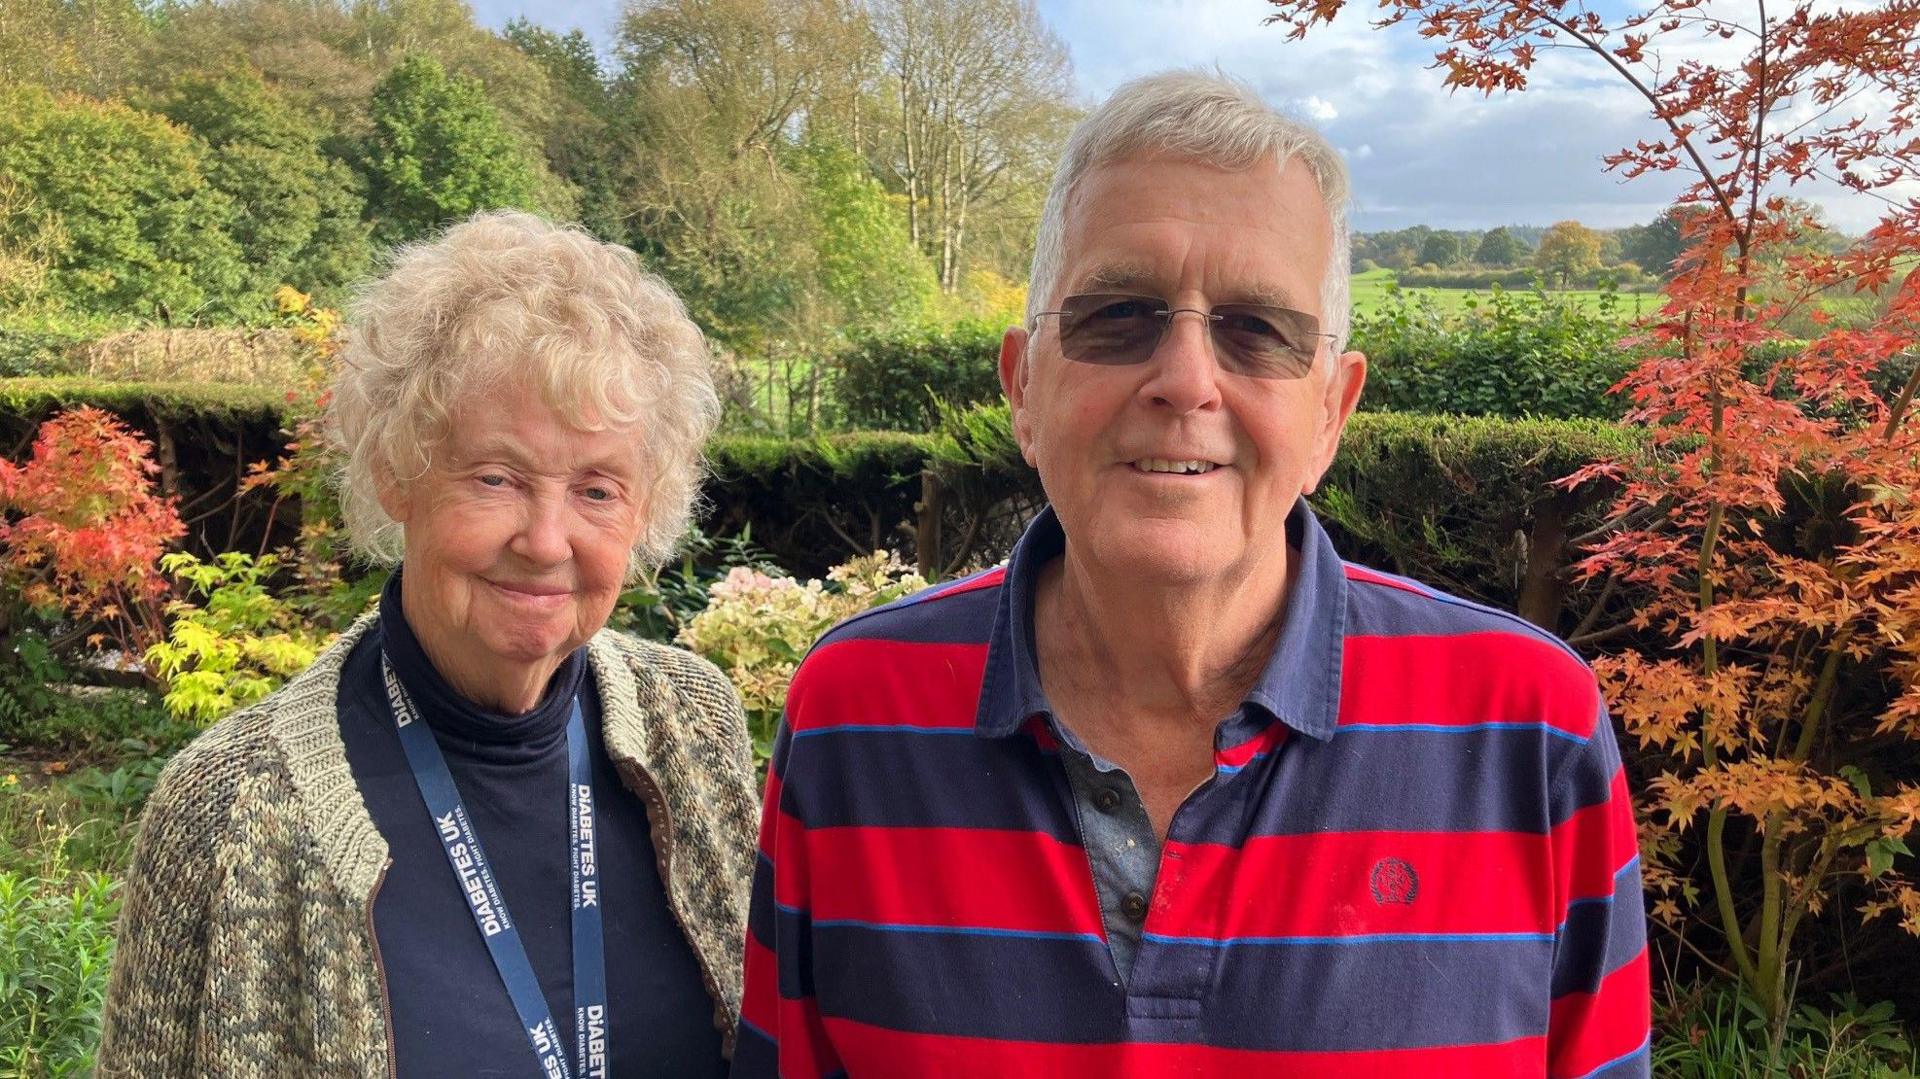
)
(1771, 529)
(82, 530)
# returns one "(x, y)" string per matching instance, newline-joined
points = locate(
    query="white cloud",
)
(1319, 109)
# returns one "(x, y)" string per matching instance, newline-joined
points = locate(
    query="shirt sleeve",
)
(781, 1032)
(1601, 1014)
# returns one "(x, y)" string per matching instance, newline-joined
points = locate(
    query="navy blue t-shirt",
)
(451, 1013)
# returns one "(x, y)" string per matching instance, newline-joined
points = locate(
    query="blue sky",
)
(1418, 154)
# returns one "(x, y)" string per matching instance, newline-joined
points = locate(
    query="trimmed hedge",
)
(902, 382)
(1465, 503)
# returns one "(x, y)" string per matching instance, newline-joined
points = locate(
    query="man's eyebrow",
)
(1118, 275)
(1125, 276)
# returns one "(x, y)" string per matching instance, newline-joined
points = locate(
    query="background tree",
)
(1499, 248)
(1774, 528)
(294, 212)
(1441, 249)
(977, 118)
(141, 231)
(1568, 252)
(439, 152)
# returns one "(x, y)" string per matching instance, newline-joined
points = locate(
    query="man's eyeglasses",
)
(1248, 338)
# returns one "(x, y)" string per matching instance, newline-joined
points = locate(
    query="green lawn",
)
(1370, 289)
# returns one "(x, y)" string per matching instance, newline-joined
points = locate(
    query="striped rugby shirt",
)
(1416, 856)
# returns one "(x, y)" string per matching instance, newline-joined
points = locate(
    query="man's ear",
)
(1337, 402)
(1016, 369)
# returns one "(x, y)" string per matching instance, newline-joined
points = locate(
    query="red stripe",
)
(989, 579)
(1266, 741)
(875, 1051)
(760, 999)
(1586, 1030)
(863, 681)
(769, 805)
(792, 875)
(1592, 846)
(1465, 679)
(1356, 883)
(1367, 576)
(977, 877)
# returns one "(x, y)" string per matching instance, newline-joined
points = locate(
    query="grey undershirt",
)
(1120, 843)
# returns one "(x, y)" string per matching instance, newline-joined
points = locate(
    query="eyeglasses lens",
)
(1249, 339)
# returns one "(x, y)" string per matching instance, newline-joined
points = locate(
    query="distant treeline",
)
(796, 168)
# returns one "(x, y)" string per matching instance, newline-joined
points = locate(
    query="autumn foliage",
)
(82, 529)
(1771, 538)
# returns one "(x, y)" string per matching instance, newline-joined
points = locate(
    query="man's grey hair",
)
(1205, 117)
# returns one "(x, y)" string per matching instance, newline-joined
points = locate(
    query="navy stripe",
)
(1636, 1062)
(994, 986)
(899, 780)
(1377, 610)
(942, 618)
(1600, 937)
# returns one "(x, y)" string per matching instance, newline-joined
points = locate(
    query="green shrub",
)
(56, 941)
(1717, 1031)
(143, 232)
(1466, 277)
(37, 352)
(899, 382)
(1513, 354)
(757, 626)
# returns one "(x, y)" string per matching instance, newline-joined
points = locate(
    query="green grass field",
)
(1371, 289)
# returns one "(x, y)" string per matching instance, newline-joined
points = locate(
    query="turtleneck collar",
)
(452, 715)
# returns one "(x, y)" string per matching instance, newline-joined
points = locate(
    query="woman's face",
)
(518, 536)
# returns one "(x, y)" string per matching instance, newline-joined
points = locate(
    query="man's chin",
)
(1167, 554)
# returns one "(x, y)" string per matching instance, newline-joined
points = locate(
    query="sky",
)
(1418, 154)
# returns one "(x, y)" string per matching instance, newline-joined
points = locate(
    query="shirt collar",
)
(1300, 685)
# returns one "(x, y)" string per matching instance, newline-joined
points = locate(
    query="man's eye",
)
(1252, 325)
(493, 480)
(600, 494)
(1123, 309)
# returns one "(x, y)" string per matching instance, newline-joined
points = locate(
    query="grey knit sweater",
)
(246, 941)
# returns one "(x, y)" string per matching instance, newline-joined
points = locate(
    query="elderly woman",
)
(481, 835)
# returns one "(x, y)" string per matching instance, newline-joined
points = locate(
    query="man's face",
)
(1195, 236)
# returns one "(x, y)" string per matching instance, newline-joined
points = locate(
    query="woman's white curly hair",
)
(507, 297)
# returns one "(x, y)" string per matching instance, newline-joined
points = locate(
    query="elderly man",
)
(1176, 791)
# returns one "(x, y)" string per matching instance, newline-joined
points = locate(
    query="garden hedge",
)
(1466, 503)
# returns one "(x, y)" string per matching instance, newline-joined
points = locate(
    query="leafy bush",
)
(143, 231)
(87, 527)
(757, 626)
(897, 383)
(37, 352)
(1466, 277)
(237, 647)
(1718, 1031)
(56, 941)
(1514, 354)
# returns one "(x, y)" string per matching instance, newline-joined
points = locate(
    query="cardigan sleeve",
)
(156, 993)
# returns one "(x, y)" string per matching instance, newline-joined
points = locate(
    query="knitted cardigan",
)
(246, 942)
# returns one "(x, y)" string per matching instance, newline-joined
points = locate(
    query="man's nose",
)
(1185, 375)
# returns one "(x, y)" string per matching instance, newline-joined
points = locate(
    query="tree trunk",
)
(1543, 587)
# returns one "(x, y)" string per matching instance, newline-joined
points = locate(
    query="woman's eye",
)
(599, 494)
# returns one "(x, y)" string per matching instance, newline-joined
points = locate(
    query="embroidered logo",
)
(1393, 881)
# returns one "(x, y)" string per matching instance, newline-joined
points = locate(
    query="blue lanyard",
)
(490, 917)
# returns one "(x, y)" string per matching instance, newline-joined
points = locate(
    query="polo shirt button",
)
(1134, 906)
(1106, 799)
